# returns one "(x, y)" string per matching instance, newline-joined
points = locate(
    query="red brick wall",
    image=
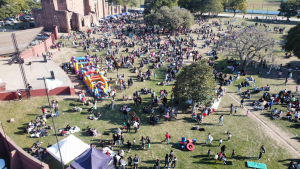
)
(38, 92)
(19, 158)
(38, 49)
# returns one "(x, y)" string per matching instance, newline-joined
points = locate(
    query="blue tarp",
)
(93, 159)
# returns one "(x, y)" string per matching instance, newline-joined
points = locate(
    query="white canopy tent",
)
(70, 147)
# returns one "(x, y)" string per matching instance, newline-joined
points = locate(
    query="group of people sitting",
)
(153, 119)
(91, 132)
(39, 128)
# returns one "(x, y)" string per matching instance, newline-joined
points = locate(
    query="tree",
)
(293, 40)
(155, 5)
(249, 44)
(184, 3)
(288, 8)
(235, 5)
(170, 19)
(32, 5)
(195, 82)
(10, 8)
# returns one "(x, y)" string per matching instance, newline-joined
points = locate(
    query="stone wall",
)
(73, 14)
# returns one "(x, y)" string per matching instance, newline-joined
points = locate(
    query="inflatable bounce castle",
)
(96, 82)
(80, 63)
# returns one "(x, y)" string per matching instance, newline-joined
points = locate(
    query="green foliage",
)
(11, 8)
(155, 5)
(293, 40)
(288, 8)
(195, 81)
(123, 2)
(202, 6)
(235, 5)
(170, 18)
(184, 3)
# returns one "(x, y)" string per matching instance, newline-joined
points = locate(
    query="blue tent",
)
(111, 16)
(127, 13)
(93, 159)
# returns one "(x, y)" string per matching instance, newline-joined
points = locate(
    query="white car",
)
(1, 23)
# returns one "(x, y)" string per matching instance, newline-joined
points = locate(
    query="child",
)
(216, 158)
(248, 112)
(235, 110)
(148, 146)
(297, 88)
(229, 136)
(208, 153)
(220, 141)
(124, 125)
(134, 141)
(233, 153)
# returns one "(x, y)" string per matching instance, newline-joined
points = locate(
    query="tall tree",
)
(288, 8)
(184, 3)
(155, 5)
(235, 5)
(170, 18)
(293, 40)
(248, 44)
(195, 82)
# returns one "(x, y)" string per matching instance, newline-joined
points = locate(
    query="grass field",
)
(272, 5)
(239, 125)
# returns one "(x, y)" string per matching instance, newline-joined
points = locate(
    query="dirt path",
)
(282, 137)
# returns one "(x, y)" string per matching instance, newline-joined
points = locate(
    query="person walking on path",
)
(248, 112)
(167, 137)
(286, 80)
(262, 150)
(221, 120)
(242, 103)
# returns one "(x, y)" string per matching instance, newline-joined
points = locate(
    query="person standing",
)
(157, 164)
(148, 146)
(231, 109)
(239, 88)
(220, 141)
(297, 88)
(248, 112)
(253, 82)
(233, 153)
(115, 160)
(95, 104)
(208, 153)
(221, 120)
(167, 137)
(235, 109)
(56, 111)
(174, 160)
(216, 158)
(136, 162)
(129, 161)
(229, 136)
(208, 138)
(242, 103)
(167, 160)
(262, 150)
(129, 145)
(118, 138)
(125, 113)
(128, 126)
(154, 76)
(20, 95)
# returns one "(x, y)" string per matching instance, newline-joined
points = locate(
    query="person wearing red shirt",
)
(167, 137)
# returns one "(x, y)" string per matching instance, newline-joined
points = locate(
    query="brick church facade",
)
(73, 14)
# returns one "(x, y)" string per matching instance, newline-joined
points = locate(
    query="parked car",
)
(7, 23)
(41, 37)
(1, 23)
(34, 42)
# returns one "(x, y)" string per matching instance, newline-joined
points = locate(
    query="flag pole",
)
(53, 124)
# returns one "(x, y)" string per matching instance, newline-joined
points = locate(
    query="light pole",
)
(55, 17)
(252, 12)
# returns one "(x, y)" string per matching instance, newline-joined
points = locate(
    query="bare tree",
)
(250, 43)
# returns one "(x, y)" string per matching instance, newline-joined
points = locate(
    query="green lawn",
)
(272, 5)
(239, 125)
